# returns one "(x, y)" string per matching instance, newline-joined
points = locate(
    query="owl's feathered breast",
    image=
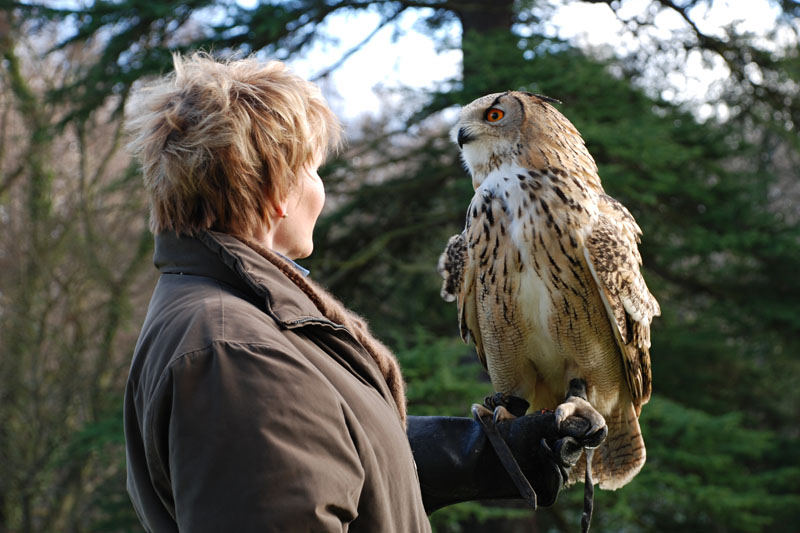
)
(525, 277)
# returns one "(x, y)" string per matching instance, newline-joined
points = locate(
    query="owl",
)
(547, 275)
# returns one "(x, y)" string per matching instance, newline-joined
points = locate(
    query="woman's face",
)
(293, 236)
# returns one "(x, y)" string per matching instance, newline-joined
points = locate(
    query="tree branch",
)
(326, 72)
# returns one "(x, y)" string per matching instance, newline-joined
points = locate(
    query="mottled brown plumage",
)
(547, 273)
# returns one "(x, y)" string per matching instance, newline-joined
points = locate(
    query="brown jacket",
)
(255, 402)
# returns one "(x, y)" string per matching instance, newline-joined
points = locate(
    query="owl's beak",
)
(463, 137)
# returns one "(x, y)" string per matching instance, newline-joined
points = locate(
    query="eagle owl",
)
(547, 274)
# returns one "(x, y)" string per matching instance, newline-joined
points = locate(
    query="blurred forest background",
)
(715, 190)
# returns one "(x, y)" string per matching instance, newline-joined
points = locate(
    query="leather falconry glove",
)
(457, 462)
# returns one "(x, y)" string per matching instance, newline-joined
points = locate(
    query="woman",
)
(255, 401)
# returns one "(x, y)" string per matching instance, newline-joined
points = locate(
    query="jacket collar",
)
(230, 261)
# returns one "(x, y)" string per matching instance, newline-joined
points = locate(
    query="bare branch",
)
(326, 72)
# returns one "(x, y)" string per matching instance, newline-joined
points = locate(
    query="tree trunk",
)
(480, 19)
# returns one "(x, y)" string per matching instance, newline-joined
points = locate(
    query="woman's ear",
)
(282, 208)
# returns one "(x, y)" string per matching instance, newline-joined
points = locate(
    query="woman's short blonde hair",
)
(221, 142)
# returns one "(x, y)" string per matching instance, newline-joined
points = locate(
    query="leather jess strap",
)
(488, 421)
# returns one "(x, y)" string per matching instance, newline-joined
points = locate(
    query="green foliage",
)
(443, 375)
(472, 516)
(103, 442)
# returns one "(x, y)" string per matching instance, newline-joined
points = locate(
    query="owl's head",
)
(510, 128)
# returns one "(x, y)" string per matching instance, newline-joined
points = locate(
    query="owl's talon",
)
(480, 411)
(515, 405)
(502, 414)
(577, 418)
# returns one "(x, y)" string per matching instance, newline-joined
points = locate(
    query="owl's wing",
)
(451, 266)
(613, 257)
(456, 267)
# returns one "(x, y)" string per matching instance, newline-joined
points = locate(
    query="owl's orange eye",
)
(494, 114)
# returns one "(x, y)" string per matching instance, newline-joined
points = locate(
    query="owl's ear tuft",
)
(548, 99)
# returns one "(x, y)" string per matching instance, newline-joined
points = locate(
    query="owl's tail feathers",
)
(617, 461)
